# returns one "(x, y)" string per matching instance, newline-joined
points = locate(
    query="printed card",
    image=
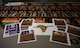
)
(60, 37)
(73, 30)
(62, 28)
(11, 30)
(59, 22)
(39, 20)
(25, 23)
(26, 36)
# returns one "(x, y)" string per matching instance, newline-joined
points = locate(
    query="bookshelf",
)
(64, 10)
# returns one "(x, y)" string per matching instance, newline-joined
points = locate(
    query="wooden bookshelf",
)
(41, 10)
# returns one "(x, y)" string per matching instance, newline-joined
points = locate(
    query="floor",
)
(42, 42)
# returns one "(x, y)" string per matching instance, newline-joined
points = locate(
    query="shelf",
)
(41, 10)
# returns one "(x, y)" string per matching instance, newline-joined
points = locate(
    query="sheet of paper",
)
(11, 30)
(60, 37)
(73, 30)
(26, 36)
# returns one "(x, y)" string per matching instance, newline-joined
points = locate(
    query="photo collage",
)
(28, 29)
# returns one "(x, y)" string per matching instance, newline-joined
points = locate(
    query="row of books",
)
(39, 13)
(39, 7)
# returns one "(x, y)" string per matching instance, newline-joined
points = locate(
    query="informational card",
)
(25, 23)
(73, 30)
(59, 22)
(26, 36)
(60, 37)
(62, 28)
(11, 30)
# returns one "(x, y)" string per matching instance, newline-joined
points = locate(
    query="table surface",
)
(42, 42)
